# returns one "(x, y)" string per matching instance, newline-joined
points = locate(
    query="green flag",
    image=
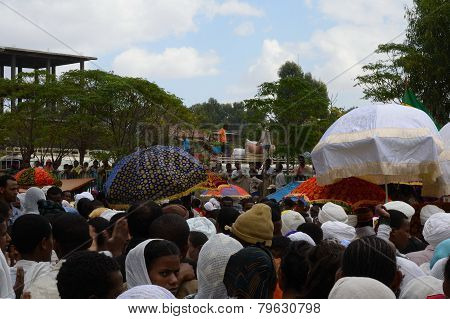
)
(410, 99)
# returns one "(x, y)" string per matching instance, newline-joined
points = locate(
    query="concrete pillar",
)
(54, 70)
(82, 66)
(19, 70)
(2, 76)
(13, 76)
(48, 69)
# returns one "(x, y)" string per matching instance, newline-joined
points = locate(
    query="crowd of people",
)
(56, 246)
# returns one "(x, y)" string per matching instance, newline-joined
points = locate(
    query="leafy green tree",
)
(293, 108)
(421, 62)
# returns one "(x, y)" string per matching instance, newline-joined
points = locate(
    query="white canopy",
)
(386, 143)
(442, 186)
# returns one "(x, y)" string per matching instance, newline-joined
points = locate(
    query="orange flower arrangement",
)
(348, 191)
(36, 177)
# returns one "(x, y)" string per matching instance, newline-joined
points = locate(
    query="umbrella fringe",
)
(193, 189)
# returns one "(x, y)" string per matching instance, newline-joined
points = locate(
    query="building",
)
(19, 59)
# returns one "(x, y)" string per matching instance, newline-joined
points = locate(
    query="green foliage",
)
(86, 110)
(421, 63)
(293, 108)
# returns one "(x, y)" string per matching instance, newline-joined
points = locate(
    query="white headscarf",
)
(439, 268)
(427, 211)
(338, 230)
(298, 236)
(147, 292)
(32, 196)
(402, 207)
(212, 261)
(352, 220)
(409, 270)
(45, 189)
(82, 195)
(208, 207)
(215, 203)
(421, 288)
(109, 213)
(332, 212)
(360, 288)
(437, 228)
(6, 286)
(290, 221)
(135, 268)
(202, 225)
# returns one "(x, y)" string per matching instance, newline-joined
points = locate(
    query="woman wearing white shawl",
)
(290, 220)
(338, 230)
(135, 267)
(32, 196)
(332, 212)
(421, 288)
(360, 288)
(212, 261)
(147, 292)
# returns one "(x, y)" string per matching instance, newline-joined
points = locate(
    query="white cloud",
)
(359, 27)
(101, 26)
(244, 29)
(233, 7)
(172, 63)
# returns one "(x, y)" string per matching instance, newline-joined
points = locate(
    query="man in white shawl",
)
(435, 230)
(211, 265)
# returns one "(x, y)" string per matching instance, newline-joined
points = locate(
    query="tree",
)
(421, 62)
(23, 127)
(86, 110)
(293, 107)
(289, 69)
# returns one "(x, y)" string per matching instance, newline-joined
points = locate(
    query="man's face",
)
(75, 164)
(400, 237)
(237, 165)
(10, 191)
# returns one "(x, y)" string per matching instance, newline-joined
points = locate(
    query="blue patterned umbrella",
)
(156, 173)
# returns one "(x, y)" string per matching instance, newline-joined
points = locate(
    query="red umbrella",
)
(347, 191)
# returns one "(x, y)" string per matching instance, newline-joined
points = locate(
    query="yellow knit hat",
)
(255, 225)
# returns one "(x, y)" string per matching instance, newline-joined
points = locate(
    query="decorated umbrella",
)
(383, 144)
(279, 194)
(156, 173)
(229, 190)
(346, 192)
(442, 185)
(37, 176)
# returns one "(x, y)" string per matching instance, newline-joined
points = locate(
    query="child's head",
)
(196, 242)
(162, 259)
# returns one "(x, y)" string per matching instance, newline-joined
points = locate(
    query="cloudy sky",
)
(224, 49)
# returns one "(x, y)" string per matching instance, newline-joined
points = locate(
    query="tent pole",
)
(386, 191)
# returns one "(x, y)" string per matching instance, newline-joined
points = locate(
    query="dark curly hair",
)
(86, 274)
